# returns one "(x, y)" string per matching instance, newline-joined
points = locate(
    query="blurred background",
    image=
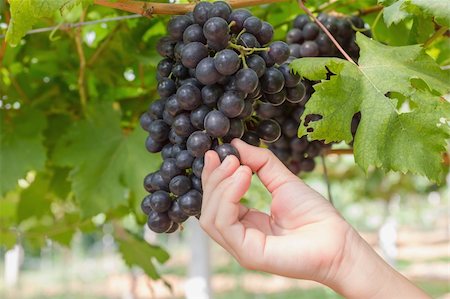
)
(72, 162)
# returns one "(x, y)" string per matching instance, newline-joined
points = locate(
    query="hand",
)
(303, 237)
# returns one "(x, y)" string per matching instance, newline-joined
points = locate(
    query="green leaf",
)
(21, 143)
(411, 140)
(440, 9)
(107, 163)
(137, 252)
(35, 201)
(26, 13)
(394, 13)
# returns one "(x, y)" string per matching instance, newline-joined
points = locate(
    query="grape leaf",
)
(35, 201)
(137, 252)
(107, 163)
(388, 138)
(26, 13)
(21, 143)
(438, 8)
(394, 13)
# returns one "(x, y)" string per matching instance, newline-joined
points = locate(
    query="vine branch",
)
(153, 8)
(330, 36)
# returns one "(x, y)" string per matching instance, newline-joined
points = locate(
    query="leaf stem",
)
(435, 36)
(330, 36)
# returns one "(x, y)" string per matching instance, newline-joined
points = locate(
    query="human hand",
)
(303, 237)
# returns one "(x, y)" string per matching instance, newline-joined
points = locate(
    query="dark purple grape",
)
(177, 25)
(294, 36)
(225, 150)
(201, 12)
(206, 72)
(231, 104)
(169, 169)
(159, 222)
(279, 51)
(253, 25)
(159, 130)
(179, 185)
(248, 110)
(153, 146)
(246, 80)
(218, 45)
(191, 203)
(344, 28)
(156, 108)
(175, 213)
(189, 97)
(167, 117)
(177, 50)
(294, 167)
(299, 144)
(165, 67)
(166, 87)
(227, 62)
(148, 183)
(194, 33)
(160, 201)
(290, 127)
(166, 46)
(211, 94)
(296, 94)
(145, 205)
(198, 144)
(276, 99)
(172, 106)
(182, 125)
(198, 117)
(217, 124)
(281, 143)
(196, 183)
(310, 31)
(309, 49)
(238, 16)
(180, 71)
(265, 35)
(166, 151)
(295, 50)
(269, 61)
(145, 120)
(197, 166)
(193, 53)
(256, 63)
(216, 30)
(177, 148)
(324, 44)
(281, 154)
(266, 111)
(184, 160)
(269, 130)
(251, 138)
(174, 138)
(290, 79)
(220, 9)
(300, 21)
(307, 165)
(158, 182)
(357, 22)
(175, 226)
(248, 40)
(272, 81)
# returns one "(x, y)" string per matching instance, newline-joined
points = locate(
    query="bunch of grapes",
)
(219, 64)
(307, 39)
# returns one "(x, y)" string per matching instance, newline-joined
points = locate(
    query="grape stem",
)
(153, 8)
(247, 51)
(330, 36)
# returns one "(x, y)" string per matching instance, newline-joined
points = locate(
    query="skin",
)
(304, 237)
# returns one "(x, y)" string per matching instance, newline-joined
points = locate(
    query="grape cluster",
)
(219, 65)
(307, 39)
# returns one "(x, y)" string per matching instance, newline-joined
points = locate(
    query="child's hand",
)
(303, 237)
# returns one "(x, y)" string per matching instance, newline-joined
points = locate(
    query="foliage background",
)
(72, 154)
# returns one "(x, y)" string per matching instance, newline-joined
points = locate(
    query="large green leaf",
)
(412, 140)
(107, 162)
(21, 144)
(440, 9)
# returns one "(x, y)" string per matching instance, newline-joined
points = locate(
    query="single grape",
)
(206, 72)
(309, 49)
(166, 87)
(295, 50)
(231, 104)
(310, 31)
(238, 16)
(220, 9)
(184, 160)
(300, 21)
(201, 12)
(182, 125)
(276, 99)
(225, 150)
(198, 143)
(246, 80)
(194, 33)
(160, 201)
(265, 35)
(180, 71)
(294, 36)
(148, 183)
(169, 169)
(197, 166)
(166, 46)
(177, 50)
(158, 182)
(175, 226)
(272, 81)
(279, 51)
(248, 40)
(248, 110)
(216, 30)
(177, 148)
(179, 185)
(191, 203)
(324, 44)
(177, 25)
(156, 108)
(344, 28)
(290, 127)
(159, 222)
(269, 130)
(174, 138)
(217, 124)
(211, 94)
(307, 165)
(290, 79)
(256, 63)
(166, 151)
(165, 67)
(196, 183)
(251, 138)
(159, 130)
(145, 120)
(296, 94)
(172, 106)
(193, 53)
(189, 97)
(175, 213)
(198, 117)
(269, 60)
(253, 25)
(227, 62)
(153, 146)
(236, 130)
(145, 205)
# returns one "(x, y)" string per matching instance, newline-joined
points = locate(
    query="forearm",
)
(364, 274)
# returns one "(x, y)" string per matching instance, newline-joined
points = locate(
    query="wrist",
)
(362, 273)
